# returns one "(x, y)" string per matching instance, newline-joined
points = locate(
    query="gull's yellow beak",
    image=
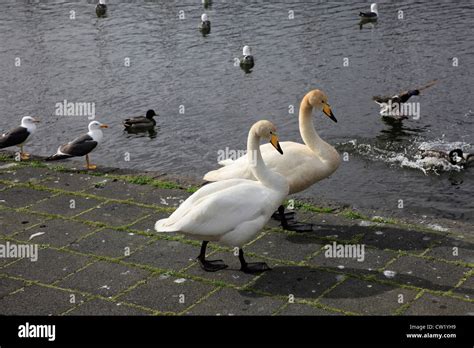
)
(35, 120)
(104, 126)
(328, 112)
(275, 143)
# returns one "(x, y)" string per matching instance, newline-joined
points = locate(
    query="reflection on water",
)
(171, 65)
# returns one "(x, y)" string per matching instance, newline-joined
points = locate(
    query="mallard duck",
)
(141, 122)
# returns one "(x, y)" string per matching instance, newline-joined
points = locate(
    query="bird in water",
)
(247, 61)
(141, 123)
(205, 25)
(372, 14)
(101, 9)
(19, 136)
(82, 145)
(389, 103)
(456, 157)
(207, 3)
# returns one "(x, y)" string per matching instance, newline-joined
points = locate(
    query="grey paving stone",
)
(454, 253)
(50, 266)
(298, 309)
(367, 298)
(148, 224)
(373, 259)
(165, 254)
(24, 174)
(37, 300)
(18, 197)
(429, 304)
(56, 232)
(110, 243)
(104, 278)
(425, 273)
(102, 307)
(399, 239)
(65, 205)
(115, 214)
(9, 285)
(230, 275)
(284, 247)
(235, 302)
(466, 289)
(301, 282)
(166, 294)
(12, 222)
(71, 181)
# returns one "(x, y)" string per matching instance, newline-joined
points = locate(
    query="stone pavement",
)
(99, 255)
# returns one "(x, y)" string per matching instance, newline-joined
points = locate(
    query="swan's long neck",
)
(310, 137)
(258, 167)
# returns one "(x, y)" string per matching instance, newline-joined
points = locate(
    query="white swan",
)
(302, 164)
(233, 211)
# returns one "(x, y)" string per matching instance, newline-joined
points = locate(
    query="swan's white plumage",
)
(230, 211)
(301, 164)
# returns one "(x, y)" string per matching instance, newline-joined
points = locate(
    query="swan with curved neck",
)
(302, 164)
(232, 212)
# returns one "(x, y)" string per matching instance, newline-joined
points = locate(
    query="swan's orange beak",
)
(275, 143)
(328, 112)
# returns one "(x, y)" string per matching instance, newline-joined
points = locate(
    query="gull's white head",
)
(373, 8)
(246, 51)
(102, 2)
(28, 122)
(94, 126)
(204, 17)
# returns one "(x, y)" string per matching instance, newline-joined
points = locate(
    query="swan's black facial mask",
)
(275, 143)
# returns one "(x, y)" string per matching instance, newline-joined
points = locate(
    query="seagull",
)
(82, 145)
(19, 135)
(101, 8)
(373, 14)
(205, 25)
(247, 61)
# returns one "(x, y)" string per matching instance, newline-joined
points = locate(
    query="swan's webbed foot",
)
(283, 217)
(254, 267)
(209, 265)
(212, 265)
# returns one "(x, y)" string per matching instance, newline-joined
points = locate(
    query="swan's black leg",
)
(209, 265)
(281, 215)
(254, 267)
(296, 227)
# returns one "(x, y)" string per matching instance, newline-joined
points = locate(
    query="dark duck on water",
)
(141, 122)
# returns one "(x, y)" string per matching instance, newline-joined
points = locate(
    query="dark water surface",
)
(172, 64)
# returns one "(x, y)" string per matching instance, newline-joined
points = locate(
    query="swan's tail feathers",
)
(226, 162)
(213, 175)
(164, 226)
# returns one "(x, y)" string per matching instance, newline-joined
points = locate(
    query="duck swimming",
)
(82, 145)
(20, 135)
(141, 122)
(456, 157)
(205, 25)
(247, 61)
(232, 212)
(301, 164)
(101, 9)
